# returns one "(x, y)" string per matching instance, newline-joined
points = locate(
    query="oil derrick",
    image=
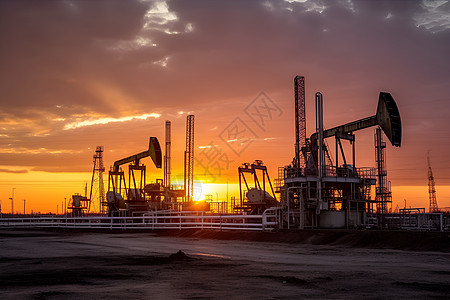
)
(299, 161)
(189, 159)
(97, 193)
(300, 120)
(431, 188)
(383, 194)
(167, 161)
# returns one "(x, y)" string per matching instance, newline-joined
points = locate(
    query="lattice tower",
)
(189, 159)
(97, 193)
(431, 188)
(300, 120)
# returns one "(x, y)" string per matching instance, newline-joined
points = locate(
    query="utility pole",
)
(23, 206)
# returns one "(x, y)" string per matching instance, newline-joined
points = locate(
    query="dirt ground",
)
(37, 264)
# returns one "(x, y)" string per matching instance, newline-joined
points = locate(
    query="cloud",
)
(35, 151)
(13, 171)
(103, 121)
(435, 16)
(162, 62)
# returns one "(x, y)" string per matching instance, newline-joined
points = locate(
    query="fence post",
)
(264, 220)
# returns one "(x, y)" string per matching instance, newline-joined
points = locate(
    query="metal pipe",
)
(301, 225)
(319, 131)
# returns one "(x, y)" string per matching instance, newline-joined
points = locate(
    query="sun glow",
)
(215, 191)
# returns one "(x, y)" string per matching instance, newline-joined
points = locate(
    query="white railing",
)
(153, 221)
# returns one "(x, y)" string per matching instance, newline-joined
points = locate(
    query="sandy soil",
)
(81, 265)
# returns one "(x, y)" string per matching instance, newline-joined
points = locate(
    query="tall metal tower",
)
(167, 163)
(97, 193)
(300, 120)
(167, 158)
(383, 194)
(189, 159)
(431, 188)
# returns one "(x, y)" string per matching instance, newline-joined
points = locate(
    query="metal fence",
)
(152, 221)
(410, 219)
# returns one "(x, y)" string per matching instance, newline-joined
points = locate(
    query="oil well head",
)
(388, 117)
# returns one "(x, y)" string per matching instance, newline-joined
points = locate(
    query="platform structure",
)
(334, 193)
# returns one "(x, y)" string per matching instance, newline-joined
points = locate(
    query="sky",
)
(78, 74)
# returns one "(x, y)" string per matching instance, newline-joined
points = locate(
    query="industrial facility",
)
(323, 186)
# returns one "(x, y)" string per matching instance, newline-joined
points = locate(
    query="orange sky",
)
(78, 74)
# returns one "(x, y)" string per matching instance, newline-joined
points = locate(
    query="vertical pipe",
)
(300, 199)
(353, 157)
(240, 188)
(167, 157)
(319, 130)
(185, 177)
(167, 163)
(337, 153)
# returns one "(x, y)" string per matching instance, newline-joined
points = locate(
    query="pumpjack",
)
(131, 197)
